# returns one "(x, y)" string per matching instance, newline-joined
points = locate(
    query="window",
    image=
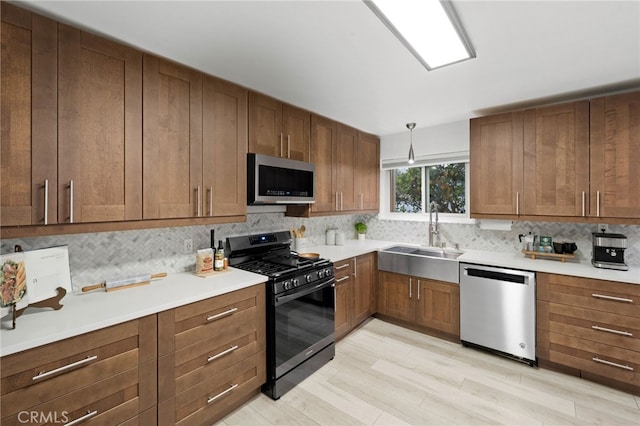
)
(412, 189)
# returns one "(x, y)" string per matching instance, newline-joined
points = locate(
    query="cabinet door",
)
(346, 154)
(28, 74)
(364, 274)
(368, 172)
(265, 126)
(496, 164)
(556, 160)
(172, 132)
(224, 148)
(323, 143)
(395, 296)
(99, 129)
(344, 306)
(615, 155)
(296, 129)
(438, 306)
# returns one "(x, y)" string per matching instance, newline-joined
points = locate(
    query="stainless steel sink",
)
(426, 262)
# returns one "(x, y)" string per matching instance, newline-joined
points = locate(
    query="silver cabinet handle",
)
(598, 203)
(71, 201)
(211, 201)
(355, 267)
(418, 289)
(615, 299)
(44, 374)
(281, 150)
(337, 201)
(613, 364)
(610, 330)
(221, 394)
(46, 201)
(346, 265)
(410, 293)
(583, 205)
(517, 203)
(339, 280)
(288, 146)
(222, 314)
(83, 418)
(223, 353)
(198, 201)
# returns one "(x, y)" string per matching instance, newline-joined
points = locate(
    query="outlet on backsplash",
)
(188, 246)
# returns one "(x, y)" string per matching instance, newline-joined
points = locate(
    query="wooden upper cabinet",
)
(346, 160)
(496, 150)
(172, 145)
(99, 129)
(615, 156)
(278, 129)
(224, 148)
(28, 139)
(556, 160)
(323, 153)
(368, 172)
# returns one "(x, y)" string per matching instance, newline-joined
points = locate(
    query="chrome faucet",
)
(433, 226)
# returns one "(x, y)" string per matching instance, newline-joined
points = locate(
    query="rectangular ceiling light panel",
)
(430, 29)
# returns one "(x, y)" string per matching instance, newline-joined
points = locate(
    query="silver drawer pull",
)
(222, 314)
(83, 418)
(613, 364)
(346, 265)
(610, 330)
(221, 394)
(342, 279)
(223, 353)
(44, 374)
(617, 299)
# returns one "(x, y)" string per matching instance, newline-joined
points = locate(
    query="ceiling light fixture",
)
(412, 158)
(430, 29)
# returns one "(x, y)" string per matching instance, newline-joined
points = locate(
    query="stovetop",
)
(277, 266)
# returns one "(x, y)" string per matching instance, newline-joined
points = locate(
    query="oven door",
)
(304, 324)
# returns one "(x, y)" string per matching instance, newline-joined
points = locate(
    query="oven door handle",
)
(289, 297)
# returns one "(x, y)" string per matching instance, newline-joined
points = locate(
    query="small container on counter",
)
(339, 238)
(330, 237)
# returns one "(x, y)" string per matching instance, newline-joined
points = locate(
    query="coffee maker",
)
(608, 251)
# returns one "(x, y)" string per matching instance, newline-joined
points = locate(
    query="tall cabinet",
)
(28, 142)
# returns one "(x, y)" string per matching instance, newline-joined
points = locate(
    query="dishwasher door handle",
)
(512, 276)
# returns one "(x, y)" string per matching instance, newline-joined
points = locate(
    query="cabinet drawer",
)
(343, 268)
(600, 295)
(597, 358)
(95, 401)
(188, 325)
(75, 365)
(603, 327)
(210, 399)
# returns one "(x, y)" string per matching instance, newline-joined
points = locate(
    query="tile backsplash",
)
(99, 256)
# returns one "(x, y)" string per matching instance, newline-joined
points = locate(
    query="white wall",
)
(450, 137)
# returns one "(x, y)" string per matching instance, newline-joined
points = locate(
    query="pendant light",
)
(412, 158)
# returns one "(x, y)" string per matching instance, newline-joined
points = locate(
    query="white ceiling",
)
(337, 59)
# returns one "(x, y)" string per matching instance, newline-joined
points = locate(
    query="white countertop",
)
(515, 260)
(85, 312)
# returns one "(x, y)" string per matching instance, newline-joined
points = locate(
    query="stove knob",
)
(286, 285)
(320, 274)
(295, 282)
(327, 272)
(308, 278)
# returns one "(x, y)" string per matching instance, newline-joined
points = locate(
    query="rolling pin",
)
(120, 283)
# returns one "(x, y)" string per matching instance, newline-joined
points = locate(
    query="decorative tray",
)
(555, 256)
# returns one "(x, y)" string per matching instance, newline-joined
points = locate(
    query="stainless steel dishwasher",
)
(498, 310)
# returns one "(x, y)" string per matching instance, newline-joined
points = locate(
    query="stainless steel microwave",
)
(274, 180)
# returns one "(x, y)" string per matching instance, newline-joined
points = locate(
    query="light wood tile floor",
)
(387, 375)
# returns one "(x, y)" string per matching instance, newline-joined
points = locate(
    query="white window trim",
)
(385, 190)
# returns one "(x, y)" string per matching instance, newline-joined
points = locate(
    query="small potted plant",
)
(361, 229)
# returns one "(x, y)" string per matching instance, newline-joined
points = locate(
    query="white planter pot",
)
(361, 236)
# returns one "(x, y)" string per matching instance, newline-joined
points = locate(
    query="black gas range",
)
(300, 306)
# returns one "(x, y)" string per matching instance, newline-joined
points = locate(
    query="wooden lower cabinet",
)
(430, 304)
(108, 376)
(211, 356)
(591, 327)
(355, 286)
